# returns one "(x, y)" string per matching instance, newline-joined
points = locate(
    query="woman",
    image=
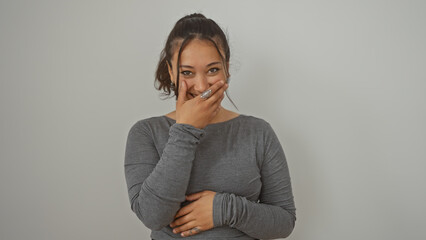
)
(203, 171)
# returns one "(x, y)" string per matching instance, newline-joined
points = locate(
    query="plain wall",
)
(342, 83)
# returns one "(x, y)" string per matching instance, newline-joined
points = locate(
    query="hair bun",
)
(193, 16)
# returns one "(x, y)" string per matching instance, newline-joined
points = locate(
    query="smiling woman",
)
(201, 67)
(203, 171)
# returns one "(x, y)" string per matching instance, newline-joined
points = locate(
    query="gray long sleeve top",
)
(241, 159)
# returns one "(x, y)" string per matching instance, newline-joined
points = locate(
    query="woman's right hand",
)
(198, 112)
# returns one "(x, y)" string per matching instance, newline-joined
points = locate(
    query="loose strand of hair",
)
(184, 42)
(226, 71)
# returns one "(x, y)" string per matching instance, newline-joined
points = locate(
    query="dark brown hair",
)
(193, 26)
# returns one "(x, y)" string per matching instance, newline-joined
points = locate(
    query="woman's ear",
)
(170, 72)
(227, 69)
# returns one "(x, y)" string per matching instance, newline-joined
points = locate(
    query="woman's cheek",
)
(216, 79)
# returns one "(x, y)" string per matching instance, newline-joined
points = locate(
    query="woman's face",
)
(200, 67)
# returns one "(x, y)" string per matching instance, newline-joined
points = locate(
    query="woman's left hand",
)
(196, 216)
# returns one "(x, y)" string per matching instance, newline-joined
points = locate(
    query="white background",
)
(342, 83)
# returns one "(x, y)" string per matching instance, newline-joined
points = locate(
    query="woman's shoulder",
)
(148, 123)
(254, 120)
(147, 120)
(231, 116)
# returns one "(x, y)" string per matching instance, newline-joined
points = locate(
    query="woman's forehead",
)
(198, 51)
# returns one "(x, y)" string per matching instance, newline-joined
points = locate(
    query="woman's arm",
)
(157, 186)
(275, 215)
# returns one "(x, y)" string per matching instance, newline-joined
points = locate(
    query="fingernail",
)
(222, 82)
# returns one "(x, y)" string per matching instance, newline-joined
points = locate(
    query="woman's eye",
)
(213, 70)
(186, 73)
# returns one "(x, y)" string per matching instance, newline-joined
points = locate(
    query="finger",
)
(185, 210)
(191, 232)
(182, 93)
(214, 88)
(182, 220)
(193, 196)
(185, 227)
(220, 99)
(218, 96)
(218, 93)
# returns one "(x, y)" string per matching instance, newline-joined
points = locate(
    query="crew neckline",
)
(212, 124)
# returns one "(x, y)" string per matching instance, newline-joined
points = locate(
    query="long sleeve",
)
(157, 186)
(274, 215)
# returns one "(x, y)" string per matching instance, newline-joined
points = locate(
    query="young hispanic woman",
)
(202, 171)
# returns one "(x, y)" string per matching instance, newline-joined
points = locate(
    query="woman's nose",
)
(201, 84)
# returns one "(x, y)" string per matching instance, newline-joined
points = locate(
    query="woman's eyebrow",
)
(208, 65)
